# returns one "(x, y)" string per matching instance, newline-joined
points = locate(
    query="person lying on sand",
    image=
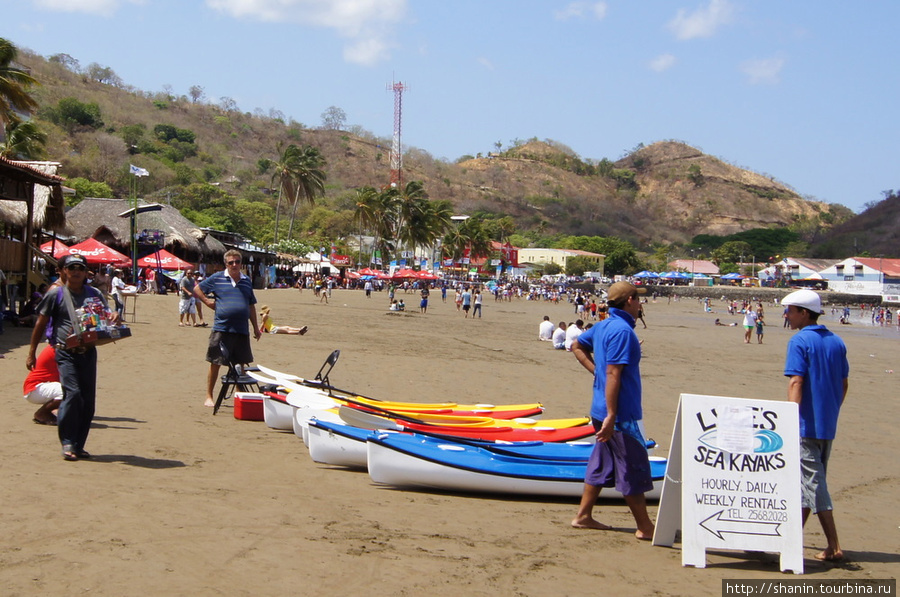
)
(269, 327)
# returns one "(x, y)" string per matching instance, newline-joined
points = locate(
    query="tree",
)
(14, 85)
(283, 172)
(576, 266)
(86, 188)
(732, 251)
(66, 61)
(309, 178)
(103, 74)
(23, 141)
(334, 119)
(196, 92)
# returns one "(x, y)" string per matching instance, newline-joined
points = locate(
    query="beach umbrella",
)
(97, 253)
(425, 275)
(57, 249)
(367, 271)
(643, 274)
(162, 259)
(732, 276)
(353, 275)
(400, 274)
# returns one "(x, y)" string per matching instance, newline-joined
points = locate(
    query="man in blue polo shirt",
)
(620, 454)
(817, 366)
(233, 307)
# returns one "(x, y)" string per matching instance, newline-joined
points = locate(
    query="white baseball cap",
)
(804, 298)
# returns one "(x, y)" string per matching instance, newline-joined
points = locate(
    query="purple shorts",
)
(622, 462)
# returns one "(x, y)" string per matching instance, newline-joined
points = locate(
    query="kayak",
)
(500, 430)
(340, 444)
(452, 409)
(422, 462)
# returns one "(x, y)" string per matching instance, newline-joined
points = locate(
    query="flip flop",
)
(83, 454)
(303, 330)
(68, 453)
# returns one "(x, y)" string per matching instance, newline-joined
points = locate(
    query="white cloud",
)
(764, 71)
(663, 62)
(99, 7)
(367, 24)
(486, 63)
(578, 10)
(703, 22)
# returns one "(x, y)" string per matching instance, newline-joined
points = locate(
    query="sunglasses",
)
(238, 262)
(76, 267)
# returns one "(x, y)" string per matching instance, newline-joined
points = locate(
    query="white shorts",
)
(45, 392)
(186, 306)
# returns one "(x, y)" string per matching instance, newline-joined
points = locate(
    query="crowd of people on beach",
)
(62, 376)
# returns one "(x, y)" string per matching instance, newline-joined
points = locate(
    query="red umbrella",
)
(404, 273)
(367, 271)
(97, 253)
(353, 275)
(163, 260)
(58, 249)
(425, 275)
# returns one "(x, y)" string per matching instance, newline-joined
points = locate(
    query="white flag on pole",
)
(139, 171)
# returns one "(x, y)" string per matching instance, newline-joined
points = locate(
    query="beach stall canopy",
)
(97, 253)
(55, 249)
(163, 260)
(733, 276)
(646, 274)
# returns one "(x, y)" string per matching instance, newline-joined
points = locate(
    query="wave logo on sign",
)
(765, 441)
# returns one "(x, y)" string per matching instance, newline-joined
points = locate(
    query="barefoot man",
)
(620, 456)
(817, 366)
(233, 307)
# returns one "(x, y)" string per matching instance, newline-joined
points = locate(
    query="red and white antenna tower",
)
(396, 151)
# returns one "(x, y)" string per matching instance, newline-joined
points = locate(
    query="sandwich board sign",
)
(733, 480)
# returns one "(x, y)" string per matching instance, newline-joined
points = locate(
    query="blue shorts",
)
(622, 462)
(423, 303)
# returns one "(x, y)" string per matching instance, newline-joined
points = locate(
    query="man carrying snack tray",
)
(76, 355)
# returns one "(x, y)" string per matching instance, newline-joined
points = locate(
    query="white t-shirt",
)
(545, 330)
(750, 318)
(559, 337)
(571, 335)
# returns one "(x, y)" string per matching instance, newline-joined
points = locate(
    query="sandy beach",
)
(179, 502)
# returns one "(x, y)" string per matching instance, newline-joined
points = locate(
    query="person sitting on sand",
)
(269, 327)
(731, 325)
(401, 306)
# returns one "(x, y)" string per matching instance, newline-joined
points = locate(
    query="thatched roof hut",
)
(49, 204)
(99, 218)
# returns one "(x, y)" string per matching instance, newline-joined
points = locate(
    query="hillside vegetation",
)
(213, 162)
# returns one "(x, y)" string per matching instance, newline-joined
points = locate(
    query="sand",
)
(178, 502)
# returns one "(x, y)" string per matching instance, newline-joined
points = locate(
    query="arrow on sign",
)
(717, 525)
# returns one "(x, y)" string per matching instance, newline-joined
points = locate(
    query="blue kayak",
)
(416, 461)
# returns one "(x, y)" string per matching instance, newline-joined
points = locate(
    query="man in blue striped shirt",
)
(233, 307)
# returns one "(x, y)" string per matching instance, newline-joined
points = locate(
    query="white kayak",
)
(422, 462)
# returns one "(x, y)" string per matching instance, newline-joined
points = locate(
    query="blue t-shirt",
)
(821, 358)
(233, 302)
(614, 342)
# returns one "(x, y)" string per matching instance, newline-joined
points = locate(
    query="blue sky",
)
(802, 91)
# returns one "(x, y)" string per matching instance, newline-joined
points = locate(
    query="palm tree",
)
(14, 84)
(365, 212)
(24, 141)
(284, 169)
(471, 236)
(309, 180)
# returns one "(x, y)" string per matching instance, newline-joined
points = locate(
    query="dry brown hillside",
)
(665, 192)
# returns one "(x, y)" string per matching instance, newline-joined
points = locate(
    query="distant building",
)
(560, 257)
(695, 266)
(865, 275)
(791, 268)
